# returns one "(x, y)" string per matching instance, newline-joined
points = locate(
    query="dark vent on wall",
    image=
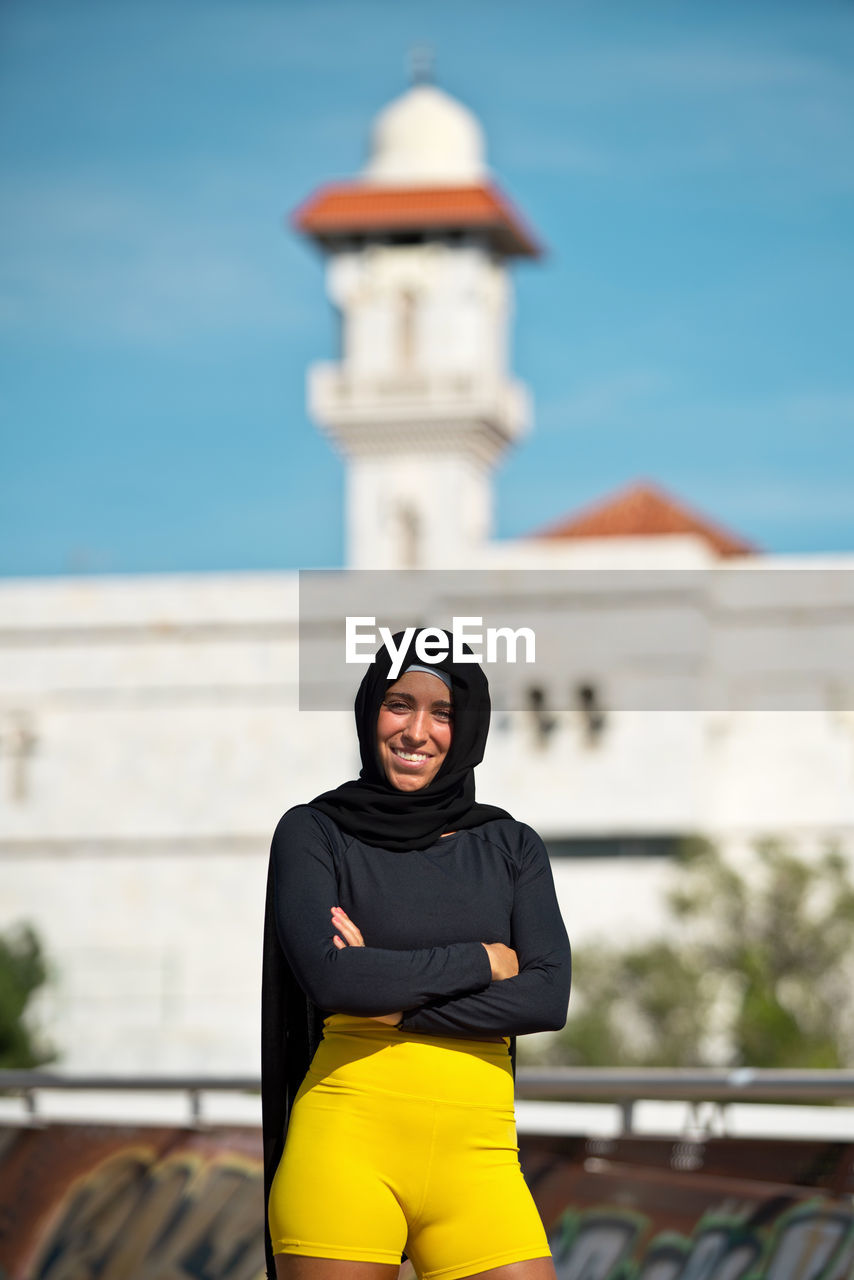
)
(613, 846)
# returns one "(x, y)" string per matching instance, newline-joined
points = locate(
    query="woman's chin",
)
(408, 782)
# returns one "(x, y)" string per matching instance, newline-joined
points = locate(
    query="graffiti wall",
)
(103, 1202)
(726, 1209)
(106, 1203)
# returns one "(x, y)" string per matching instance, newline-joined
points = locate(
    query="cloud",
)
(625, 397)
(611, 73)
(102, 263)
(799, 418)
(555, 153)
(603, 402)
(812, 409)
(702, 69)
(638, 112)
(791, 500)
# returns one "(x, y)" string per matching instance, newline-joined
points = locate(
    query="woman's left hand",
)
(349, 935)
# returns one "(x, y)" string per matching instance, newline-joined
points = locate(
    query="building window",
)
(407, 336)
(626, 846)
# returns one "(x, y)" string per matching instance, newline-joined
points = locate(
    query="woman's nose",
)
(415, 729)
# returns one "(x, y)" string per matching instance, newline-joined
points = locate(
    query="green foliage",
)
(22, 972)
(756, 970)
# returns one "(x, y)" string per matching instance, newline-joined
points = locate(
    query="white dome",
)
(425, 137)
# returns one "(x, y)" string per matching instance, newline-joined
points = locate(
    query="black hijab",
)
(374, 811)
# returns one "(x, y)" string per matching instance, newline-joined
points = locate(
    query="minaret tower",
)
(419, 401)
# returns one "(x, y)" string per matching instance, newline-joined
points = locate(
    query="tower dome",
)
(425, 137)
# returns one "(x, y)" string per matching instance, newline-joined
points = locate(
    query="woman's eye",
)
(396, 706)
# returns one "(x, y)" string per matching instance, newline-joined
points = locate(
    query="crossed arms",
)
(443, 990)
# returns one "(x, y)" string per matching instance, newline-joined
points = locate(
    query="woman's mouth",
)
(409, 757)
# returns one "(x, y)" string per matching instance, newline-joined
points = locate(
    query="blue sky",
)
(689, 167)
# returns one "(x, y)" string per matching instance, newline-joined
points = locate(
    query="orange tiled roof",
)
(644, 510)
(355, 208)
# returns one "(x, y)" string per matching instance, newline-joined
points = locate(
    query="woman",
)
(422, 929)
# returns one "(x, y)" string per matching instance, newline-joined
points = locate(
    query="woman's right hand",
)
(502, 960)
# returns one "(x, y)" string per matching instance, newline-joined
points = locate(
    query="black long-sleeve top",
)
(424, 915)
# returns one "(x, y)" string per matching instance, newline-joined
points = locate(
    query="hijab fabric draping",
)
(374, 811)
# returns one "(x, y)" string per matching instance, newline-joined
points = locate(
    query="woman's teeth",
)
(410, 755)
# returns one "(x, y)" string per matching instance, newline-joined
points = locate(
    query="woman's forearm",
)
(366, 981)
(535, 1000)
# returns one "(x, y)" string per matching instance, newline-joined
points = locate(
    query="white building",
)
(149, 726)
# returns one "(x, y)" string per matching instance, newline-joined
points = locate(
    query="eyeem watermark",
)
(432, 643)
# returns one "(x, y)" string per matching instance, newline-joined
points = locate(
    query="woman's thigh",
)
(478, 1214)
(530, 1269)
(294, 1266)
(349, 1174)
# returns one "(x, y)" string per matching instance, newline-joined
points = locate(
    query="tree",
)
(22, 971)
(756, 970)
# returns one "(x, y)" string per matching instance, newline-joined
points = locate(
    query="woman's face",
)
(414, 729)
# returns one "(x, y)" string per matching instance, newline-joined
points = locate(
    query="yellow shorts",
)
(405, 1142)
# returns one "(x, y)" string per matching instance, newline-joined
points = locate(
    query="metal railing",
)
(28, 1084)
(692, 1084)
(556, 1084)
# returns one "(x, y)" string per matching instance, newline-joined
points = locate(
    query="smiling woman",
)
(414, 728)
(423, 956)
